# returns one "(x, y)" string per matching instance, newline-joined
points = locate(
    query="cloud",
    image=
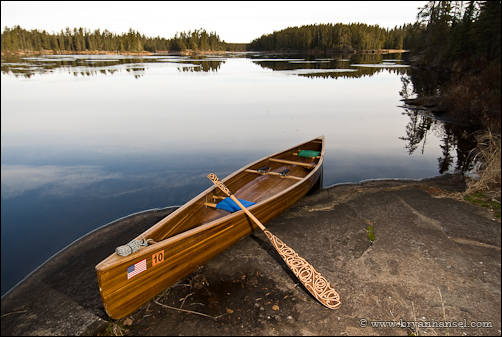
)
(19, 179)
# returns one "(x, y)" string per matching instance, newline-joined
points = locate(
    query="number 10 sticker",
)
(157, 258)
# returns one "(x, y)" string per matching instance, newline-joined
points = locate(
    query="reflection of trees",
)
(28, 73)
(27, 67)
(329, 75)
(361, 72)
(136, 71)
(21, 71)
(455, 140)
(416, 130)
(336, 62)
(205, 66)
(426, 82)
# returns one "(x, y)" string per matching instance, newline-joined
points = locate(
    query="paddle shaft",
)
(313, 281)
(249, 214)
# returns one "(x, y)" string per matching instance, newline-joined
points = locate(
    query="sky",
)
(233, 21)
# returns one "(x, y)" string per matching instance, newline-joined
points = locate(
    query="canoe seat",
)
(229, 205)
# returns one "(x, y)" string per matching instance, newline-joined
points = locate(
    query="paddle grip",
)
(214, 178)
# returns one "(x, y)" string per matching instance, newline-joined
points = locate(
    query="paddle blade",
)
(313, 281)
(214, 178)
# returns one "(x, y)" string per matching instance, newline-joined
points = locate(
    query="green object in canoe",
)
(308, 153)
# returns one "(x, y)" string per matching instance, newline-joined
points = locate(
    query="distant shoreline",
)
(107, 52)
(189, 52)
(317, 51)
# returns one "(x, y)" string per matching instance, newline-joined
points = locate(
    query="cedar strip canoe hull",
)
(190, 246)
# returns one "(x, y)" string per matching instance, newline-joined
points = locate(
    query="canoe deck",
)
(197, 231)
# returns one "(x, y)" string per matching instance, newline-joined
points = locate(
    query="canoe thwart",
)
(307, 165)
(274, 174)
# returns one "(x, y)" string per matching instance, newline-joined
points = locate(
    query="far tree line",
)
(333, 37)
(81, 39)
(444, 30)
(338, 37)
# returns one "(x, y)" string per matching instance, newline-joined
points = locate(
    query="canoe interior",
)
(245, 185)
(197, 231)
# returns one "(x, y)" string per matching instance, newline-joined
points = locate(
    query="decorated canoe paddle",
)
(313, 281)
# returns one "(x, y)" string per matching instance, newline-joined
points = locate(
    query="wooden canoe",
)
(197, 231)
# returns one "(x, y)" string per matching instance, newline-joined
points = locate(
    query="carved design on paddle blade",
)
(315, 283)
(214, 178)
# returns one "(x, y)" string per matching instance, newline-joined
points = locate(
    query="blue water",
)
(88, 139)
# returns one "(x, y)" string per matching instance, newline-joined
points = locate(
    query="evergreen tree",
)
(334, 37)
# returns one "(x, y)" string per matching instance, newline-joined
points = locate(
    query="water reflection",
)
(357, 73)
(425, 82)
(92, 65)
(353, 66)
(456, 141)
(201, 66)
(342, 66)
(79, 153)
(54, 180)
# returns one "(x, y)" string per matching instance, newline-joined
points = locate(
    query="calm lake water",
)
(88, 139)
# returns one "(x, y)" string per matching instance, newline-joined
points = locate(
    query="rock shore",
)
(435, 260)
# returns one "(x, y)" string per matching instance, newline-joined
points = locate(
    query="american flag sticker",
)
(137, 268)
